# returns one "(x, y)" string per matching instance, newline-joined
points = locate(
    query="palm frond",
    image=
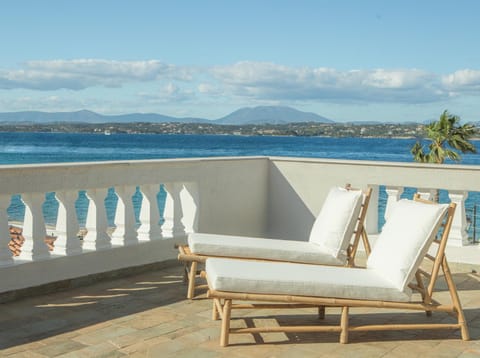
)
(447, 138)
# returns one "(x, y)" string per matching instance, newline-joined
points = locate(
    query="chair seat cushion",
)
(284, 278)
(261, 248)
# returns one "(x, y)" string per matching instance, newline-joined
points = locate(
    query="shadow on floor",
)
(473, 317)
(31, 319)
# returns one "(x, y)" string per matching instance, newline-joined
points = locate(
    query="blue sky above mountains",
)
(345, 60)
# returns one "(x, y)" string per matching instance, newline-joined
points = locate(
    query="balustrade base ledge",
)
(83, 281)
(59, 273)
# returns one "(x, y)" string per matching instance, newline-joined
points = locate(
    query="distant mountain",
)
(47, 117)
(271, 115)
(256, 115)
(85, 116)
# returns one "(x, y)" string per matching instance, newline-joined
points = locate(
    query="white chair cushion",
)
(284, 278)
(260, 248)
(405, 239)
(334, 226)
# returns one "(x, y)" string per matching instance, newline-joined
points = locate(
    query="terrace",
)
(119, 290)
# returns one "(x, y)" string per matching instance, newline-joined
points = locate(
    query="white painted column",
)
(6, 258)
(34, 232)
(427, 194)
(189, 199)
(393, 195)
(149, 213)
(125, 233)
(96, 224)
(173, 213)
(458, 232)
(66, 229)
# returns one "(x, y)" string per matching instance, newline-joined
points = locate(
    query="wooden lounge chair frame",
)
(191, 260)
(223, 302)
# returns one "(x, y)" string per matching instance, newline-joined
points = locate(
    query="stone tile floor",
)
(146, 315)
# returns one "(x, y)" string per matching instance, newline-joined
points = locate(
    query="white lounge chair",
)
(342, 214)
(386, 282)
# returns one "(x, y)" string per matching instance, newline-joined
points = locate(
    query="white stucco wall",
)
(231, 197)
(298, 186)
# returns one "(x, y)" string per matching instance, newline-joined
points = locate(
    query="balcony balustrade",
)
(254, 196)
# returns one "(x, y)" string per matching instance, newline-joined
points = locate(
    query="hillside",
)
(256, 115)
(271, 115)
(85, 116)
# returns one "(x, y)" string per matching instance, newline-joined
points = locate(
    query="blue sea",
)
(23, 148)
(16, 148)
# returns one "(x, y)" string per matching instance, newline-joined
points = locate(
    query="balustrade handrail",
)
(423, 175)
(83, 175)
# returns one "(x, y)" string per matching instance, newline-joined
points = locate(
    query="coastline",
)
(308, 129)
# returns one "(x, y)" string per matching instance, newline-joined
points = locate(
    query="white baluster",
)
(96, 224)
(458, 232)
(149, 214)
(5, 253)
(173, 212)
(34, 232)
(427, 194)
(66, 229)
(393, 195)
(189, 198)
(125, 233)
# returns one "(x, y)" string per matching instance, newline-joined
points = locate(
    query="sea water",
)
(23, 148)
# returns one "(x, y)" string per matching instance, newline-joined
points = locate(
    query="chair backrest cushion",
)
(405, 239)
(334, 226)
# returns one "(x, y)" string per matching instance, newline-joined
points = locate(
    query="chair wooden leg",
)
(420, 284)
(185, 273)
(463, 327)
(216, 306)
(456, 301)
(214, 310)
(321, 312)
(344, 325)
(227, 308)
(191, 280)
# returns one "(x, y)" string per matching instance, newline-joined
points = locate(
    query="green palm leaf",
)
(448, 139)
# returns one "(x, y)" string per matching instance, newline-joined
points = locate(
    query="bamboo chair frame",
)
(191, 260)
(223, 302)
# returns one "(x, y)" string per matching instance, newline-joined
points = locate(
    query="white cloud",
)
(463, 81)
(170, 89)
(46, 103)
(83, 73)
(397, 79)
(250, 82)
(170, 93)
(206, 88)
(271, 81)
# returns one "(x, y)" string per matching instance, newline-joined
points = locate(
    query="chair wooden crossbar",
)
(223, 303)
(192, 260)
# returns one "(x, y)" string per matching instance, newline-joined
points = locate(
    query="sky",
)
(391, 61)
